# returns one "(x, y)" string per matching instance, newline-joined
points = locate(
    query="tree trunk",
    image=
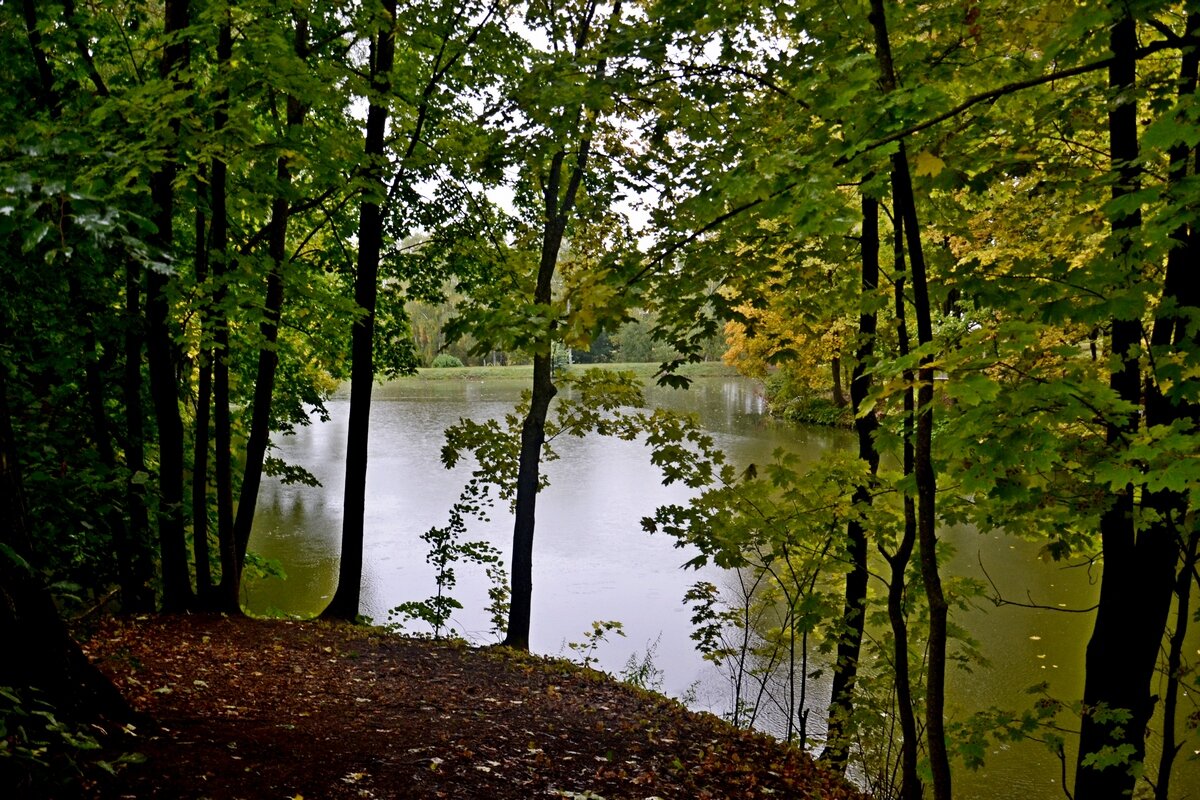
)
(533, 429)
(1181, 292)
(201, 438)
(558, 203)
(161, 351)
(845, 670)
(835, 369)
(533, 435)
(268, 355)
(45, 655)
(905, 209)
(135, 589)
(227, 591)
(910, 779)
(125, 536)
(1139, 566)
(345, 601)
(1183, 613)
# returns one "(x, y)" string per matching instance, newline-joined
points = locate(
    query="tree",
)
(569, 124)
(866, 421)
(455, 30)
(161, 352)
(268, 354)
(554, 283)
(1141, 550)
(50, 660)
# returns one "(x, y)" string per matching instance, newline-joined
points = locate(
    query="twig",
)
(999, 600)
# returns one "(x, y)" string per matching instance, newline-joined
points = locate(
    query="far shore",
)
(646, 371)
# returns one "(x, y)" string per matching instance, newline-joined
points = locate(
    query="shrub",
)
(811, 410)
(445, 360)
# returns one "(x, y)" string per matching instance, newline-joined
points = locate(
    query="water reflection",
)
(592, 560)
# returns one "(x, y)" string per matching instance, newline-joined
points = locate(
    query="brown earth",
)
(287, 710)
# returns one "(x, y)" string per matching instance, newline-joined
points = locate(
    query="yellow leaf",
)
(929, 164)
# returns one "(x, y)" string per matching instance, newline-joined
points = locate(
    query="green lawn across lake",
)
(646, 371)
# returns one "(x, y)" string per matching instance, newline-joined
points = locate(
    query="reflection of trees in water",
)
(292, 556)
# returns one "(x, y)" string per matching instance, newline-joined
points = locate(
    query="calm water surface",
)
(592, 561)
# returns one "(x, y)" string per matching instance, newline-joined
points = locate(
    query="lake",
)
(593, 561)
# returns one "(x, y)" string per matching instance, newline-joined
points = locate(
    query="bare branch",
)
(999, 600)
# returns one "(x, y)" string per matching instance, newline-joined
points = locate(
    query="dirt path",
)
(252, 709)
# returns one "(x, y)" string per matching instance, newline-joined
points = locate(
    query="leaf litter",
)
(285, 709)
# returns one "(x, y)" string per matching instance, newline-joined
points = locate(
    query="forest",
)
(972, 223)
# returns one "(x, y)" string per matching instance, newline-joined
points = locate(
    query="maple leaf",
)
(929, 164)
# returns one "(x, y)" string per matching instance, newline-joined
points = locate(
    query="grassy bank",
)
(645, 371)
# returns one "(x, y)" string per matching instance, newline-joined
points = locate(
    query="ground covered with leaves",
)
(254, 709)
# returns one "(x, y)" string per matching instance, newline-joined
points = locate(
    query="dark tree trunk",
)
(1139, 565)
(345, 603)
(33, 33)
(533, 429)
(1181, 291)
(533, 435)
(560, 188)
(135, 588)
(268, 355)
(227, 591)
(910, 779)
(372, 217)
(845, 670)
(41, 651)
(835, 369)
(86, 309)
(1135, 591)
(161, 351)
(118, 524)
(201, 436)
(926, 480)
(1175, 676)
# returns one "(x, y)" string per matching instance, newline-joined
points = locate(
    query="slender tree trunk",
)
(1181, 293)
(926, 480)
(533, 429)
(1183, 613)
(268, 354)
(227, 591)
(1135, 591)
(910, 779)
(130, 534)
(85, 310)
(137, 595)
(845, 671)
(117, 523)
(161, 350)
(835, 369)
(345, 603)
(560, 188)
(201, 438)
(533, 435)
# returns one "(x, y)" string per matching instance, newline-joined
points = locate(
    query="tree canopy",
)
(972, 223)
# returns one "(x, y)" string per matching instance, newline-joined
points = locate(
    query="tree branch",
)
(999, 600)
(1001, 91)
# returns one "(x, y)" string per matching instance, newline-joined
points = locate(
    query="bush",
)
(43, 754)
(445, 360)
(811, 410)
